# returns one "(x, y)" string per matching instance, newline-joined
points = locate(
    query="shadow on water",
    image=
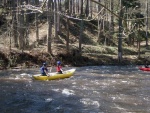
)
(94, 89)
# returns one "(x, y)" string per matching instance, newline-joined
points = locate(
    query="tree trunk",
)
(14, 24)
(49, 30)
(67, 41)
(58, 16)
(80, 37)
(36, 23)
(98, 29)
(70, 7)
(21, 31)
(91, 8)
(139, 46)
(27, 29)
(26, 16)
(78, 6)
(55, 19)
(146, 23)
(87, 8)
(112, 17)
(81, 7)
(99, 19)
(120, 34)
(20, 21)
(73, 7)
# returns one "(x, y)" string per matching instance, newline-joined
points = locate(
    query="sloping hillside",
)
(93, 53)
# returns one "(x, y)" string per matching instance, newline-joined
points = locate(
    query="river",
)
(92, 89)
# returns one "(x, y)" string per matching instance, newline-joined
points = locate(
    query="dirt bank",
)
(29, 59)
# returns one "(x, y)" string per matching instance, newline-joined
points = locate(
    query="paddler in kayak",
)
(146, 64)
(44, 69)
(59, 68)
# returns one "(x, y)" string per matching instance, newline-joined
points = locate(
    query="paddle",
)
(62, 71)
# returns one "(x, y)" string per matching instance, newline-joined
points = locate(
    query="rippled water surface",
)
(95, 89)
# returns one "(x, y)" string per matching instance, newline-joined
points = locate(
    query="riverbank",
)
(34, 58)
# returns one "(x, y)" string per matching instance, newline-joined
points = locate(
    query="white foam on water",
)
(96, 82)
(113, 81)
(116, 75)
(124, 81)
(67, 92)
(74, 83)
(113, 98)
(84, 87)
(88, 101)
(56, 90)
(120, 108)
(23, 74)
(48, 100)
(96, 92)
(17, 78)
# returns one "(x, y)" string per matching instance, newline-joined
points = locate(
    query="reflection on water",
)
(95, 89)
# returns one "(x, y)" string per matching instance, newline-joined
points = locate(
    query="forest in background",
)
(78, 31)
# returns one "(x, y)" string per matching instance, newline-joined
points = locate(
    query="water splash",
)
(67, 92)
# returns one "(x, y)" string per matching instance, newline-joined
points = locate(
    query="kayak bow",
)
(144, 69)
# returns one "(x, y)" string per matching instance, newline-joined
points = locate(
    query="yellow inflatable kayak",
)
(54, 76)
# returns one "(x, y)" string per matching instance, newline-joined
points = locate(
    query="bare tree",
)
(67, 40)
(91, 8)
(120, 33)
(87, 8)
(14, 24)
(81, 6)
(36, 23)
(112, 16)
(21, 27)
(70, 7)
(49, 30)
(55, 19)
(146, 23)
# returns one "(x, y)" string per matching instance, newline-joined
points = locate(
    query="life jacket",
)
(42, 69)
(58, 68)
